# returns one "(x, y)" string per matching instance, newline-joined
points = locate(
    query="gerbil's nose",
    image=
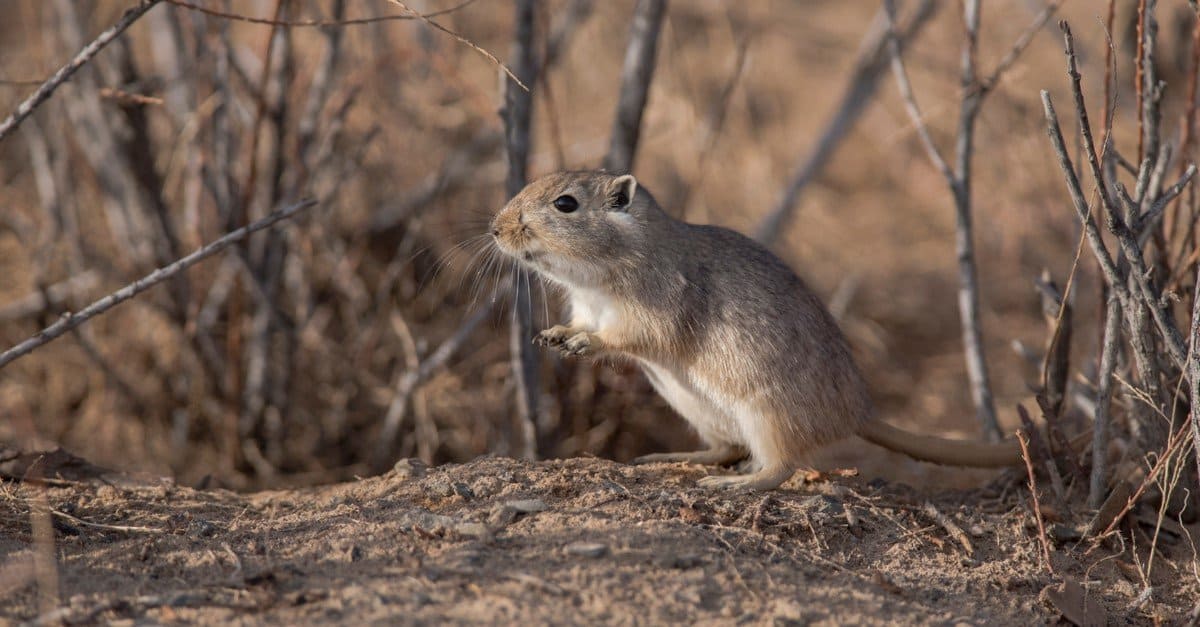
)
(495, 232)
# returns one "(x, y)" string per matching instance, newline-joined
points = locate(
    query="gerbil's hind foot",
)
(717, 455)
(768, 478)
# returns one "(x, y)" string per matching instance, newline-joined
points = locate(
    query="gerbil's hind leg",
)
(768, 478)
(718, 455)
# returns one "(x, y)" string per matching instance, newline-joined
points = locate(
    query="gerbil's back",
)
(775, 334)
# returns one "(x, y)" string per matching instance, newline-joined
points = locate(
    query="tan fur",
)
(724, 330)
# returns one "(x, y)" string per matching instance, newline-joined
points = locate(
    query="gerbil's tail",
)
(941, 450)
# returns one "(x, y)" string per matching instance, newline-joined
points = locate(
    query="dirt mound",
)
(574, 541)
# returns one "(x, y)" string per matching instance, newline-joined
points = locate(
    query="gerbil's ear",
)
(623, 189)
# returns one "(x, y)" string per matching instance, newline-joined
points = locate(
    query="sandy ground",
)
(579, 541)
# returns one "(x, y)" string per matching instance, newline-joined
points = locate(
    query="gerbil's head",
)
(576, 228)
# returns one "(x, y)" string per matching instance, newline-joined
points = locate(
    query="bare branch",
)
(518, 108)
(1097, 486)
(988, 84)
(636, 73)
(910, 101)
(316, 23)
(958, 180)
(64, 73)
(71, 320)
(463, 40)
(1111, 274)
(407, 383)
(1193, 369)
(877, 48)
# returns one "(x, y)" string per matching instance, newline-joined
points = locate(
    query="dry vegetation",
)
(367, 329)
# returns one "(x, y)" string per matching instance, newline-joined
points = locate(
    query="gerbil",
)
(724, 330)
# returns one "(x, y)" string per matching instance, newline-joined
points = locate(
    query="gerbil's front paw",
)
(554, 336)
(579, 345)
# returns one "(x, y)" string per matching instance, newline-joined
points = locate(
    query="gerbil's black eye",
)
(566, 204)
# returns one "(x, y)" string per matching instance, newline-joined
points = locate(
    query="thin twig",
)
(64, 73)
(1172, 447)
(1037, 506)
(988, 84)
(104, 527)
(910, 100)
(1193, 371)
(951, 528)
(1084, 212)
(315, 23)
(463, 40)
(71, 320)
(426, 368)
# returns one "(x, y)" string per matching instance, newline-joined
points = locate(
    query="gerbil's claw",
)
(578, 345)
(554, 336)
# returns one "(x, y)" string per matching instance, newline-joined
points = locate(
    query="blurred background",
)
(280, 363)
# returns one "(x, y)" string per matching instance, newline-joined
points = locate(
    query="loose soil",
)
(578, 541)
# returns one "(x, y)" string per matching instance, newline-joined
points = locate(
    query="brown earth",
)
(578, 541)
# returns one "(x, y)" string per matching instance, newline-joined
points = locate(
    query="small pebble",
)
(410, 468)
(201, 529)
(463, 490)
(586, 549)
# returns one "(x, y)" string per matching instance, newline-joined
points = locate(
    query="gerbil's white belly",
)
(713, 422)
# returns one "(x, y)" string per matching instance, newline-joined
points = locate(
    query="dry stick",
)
(315, 23)
(1097, 486)
(1138, 78)
(910, 101)
(71, 320)
(414, 377)
(1174, 443)
(1037, 506)
(64, 73)
(1116, 225)
(959, 182)
(1118, 296)
(1023, 41)
(636, 74)
(968, 293)
(951, 528)
(864, 80)
(517, 112)
(1194, 371)
(1108, 268)
(1109, 74)
(491, 57)
(1193, 98)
